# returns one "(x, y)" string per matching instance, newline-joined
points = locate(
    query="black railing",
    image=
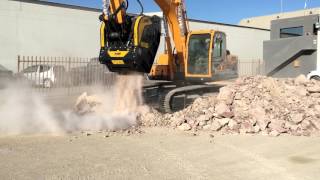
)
(68, 74)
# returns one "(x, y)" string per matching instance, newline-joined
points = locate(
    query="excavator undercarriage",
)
(169, 97)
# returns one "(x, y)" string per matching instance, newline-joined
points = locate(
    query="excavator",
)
(191, 59)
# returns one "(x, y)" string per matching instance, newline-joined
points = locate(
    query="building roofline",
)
(283, 13)
(226, 24)
(99, 10)
(60, 5)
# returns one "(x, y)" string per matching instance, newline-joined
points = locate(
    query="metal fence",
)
(63, 74)
(250, 67)
(73, 75)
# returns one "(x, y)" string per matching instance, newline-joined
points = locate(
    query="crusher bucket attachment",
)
(131, 46)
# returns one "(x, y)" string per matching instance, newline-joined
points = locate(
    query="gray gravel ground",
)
(159, 154)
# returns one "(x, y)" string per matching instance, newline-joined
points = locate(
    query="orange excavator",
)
(191, 59)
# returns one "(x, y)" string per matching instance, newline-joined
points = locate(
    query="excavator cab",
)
(206, 55)
(130, 46)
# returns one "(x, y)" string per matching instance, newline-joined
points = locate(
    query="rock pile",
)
(258, 104)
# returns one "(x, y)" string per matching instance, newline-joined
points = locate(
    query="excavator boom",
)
(129, 43)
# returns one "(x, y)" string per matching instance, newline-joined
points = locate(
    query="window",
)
(217, 48)
(291, 32)
(30, 69)
(198, 54)
(315, 29)
(44, 68)
(2, 68)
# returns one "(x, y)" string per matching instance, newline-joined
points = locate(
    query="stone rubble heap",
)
(252, 105)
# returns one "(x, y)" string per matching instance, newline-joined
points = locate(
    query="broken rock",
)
(297, 118)
(316, 123)
(314, 89)
(257, 104)
(226, 94)
(301, 80)
(246, 127)
(274, 133)
(184, 127)
(233, 125)
(223, 110)
(223, 122)
(216, 126)
(278, 125)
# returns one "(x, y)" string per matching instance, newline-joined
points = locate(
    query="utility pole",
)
(306, 4)
(281, 6)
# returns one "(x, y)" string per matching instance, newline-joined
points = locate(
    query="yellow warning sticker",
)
(117, 62)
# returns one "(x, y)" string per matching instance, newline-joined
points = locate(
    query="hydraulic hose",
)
(141, 6)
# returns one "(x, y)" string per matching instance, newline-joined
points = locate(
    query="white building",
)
(265, 21)
(38, 28)
(35, 28)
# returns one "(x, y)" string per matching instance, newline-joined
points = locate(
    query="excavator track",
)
(170, 98)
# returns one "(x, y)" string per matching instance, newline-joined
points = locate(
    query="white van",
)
(44, 75)
(314, 75)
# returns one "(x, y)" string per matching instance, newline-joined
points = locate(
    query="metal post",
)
(69, 75)
(252, 68)
(318, 48)
(260, 66)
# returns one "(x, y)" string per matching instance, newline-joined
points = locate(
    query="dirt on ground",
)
(217, 137)
(159, 153)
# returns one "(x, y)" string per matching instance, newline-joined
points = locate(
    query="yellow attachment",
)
(136, 25)
(139, 26)
(102, 35)
(144, 44)
(117, 62)
(118, 54)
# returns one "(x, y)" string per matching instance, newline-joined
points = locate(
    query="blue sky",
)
(225, 11)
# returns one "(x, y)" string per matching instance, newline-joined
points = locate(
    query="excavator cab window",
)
(219, 47)
(198, 54)
(217, 50)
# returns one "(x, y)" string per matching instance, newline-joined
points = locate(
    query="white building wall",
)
(42, 30)
(246, 43)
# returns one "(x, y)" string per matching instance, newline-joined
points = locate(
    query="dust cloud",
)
(113, 110)
(25, 112)
(22, 111)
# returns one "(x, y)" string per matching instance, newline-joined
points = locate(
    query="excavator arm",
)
(176, 21)
(129, 43)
